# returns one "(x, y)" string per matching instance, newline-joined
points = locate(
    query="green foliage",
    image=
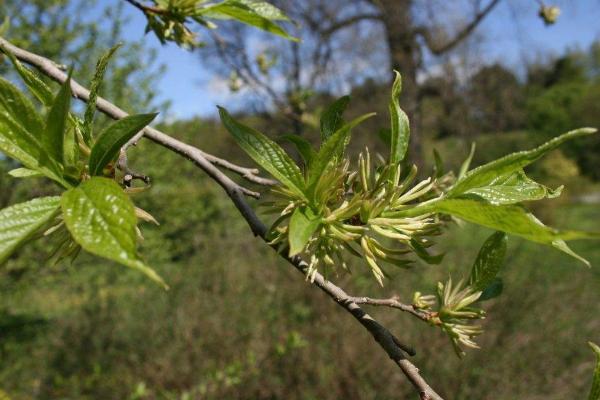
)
(488, 262)
(102, 220)
(112, 138)
(332, 117)
(20, 222)
(97, 212)
(400, 128)
(169, 19)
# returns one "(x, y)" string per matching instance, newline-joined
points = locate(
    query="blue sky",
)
(509, 40)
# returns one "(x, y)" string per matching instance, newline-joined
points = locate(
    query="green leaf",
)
(423, 254)
(33, 82)
(90, 109)
(595, 390)
(331, 149)
(303, 223)
(24, 173)
(20, 133)
(464, 168)
(512, 219)
(439, 164)
(332, 119)
(101, 218)
(241, 12)
(400, 132)
(483, 175)
(303, 146)
(488, 262)
(265, 153)
(513, 188)
(113, 137)
(265, 10)
(56, 122)
(18, 223)
(493, 290)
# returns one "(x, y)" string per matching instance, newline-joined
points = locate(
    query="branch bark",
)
(386, 340)
(460, 36)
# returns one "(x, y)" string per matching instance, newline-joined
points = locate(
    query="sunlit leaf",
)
(18, 223)
(400, 127)
(24, 173)
(246, 14)
(464, 168)
(265, 152)
(512, 219)
(113, 137)
(101, 218)
(33, 82)
(483, 175)
(303, 224)
(512, 188)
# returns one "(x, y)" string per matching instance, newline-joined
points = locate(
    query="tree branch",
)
(460, 36)
(50, 69)
(386, 340)
(344, 23)
(395, 303)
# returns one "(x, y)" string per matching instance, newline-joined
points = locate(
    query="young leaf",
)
(265, 152)
(20, 133)
(493, 290)
(332, 149)
(90, 109)
(595, 390)
(56, 122)
(241, 12)
(512, 219)
(483, 175)
(33, 82)
(400, 132)
(101, 218)
(464, 168)
(512, 188)
(112, 138)
(303, 224)
(488, 262)
(24, 173)
(331, 118)
(18, 223)
(265, 10)
(303, 146)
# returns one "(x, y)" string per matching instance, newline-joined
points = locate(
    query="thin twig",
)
(395, 303)
(49, 68)
(386, 340)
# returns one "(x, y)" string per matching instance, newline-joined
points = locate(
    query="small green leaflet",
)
(24, 173)
(464, 168)
(488, 262)
(16, 107)
(512, 188)
(56, 122)
(512, 219)
(265, 153)
(331, 149)
(90, 108)
(595, 390)
(33, 82)
(249, 15)
(332, 119)
(483, 175)
(101, 218)
(303, 223)
(400, 127)
(113, 137)
(19, 222)
(303, 146)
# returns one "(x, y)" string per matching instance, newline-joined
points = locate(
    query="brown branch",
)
(49, 68)
(460, 36)
(145, 8)
(386, 340)
(344, 23)
(395, 303)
